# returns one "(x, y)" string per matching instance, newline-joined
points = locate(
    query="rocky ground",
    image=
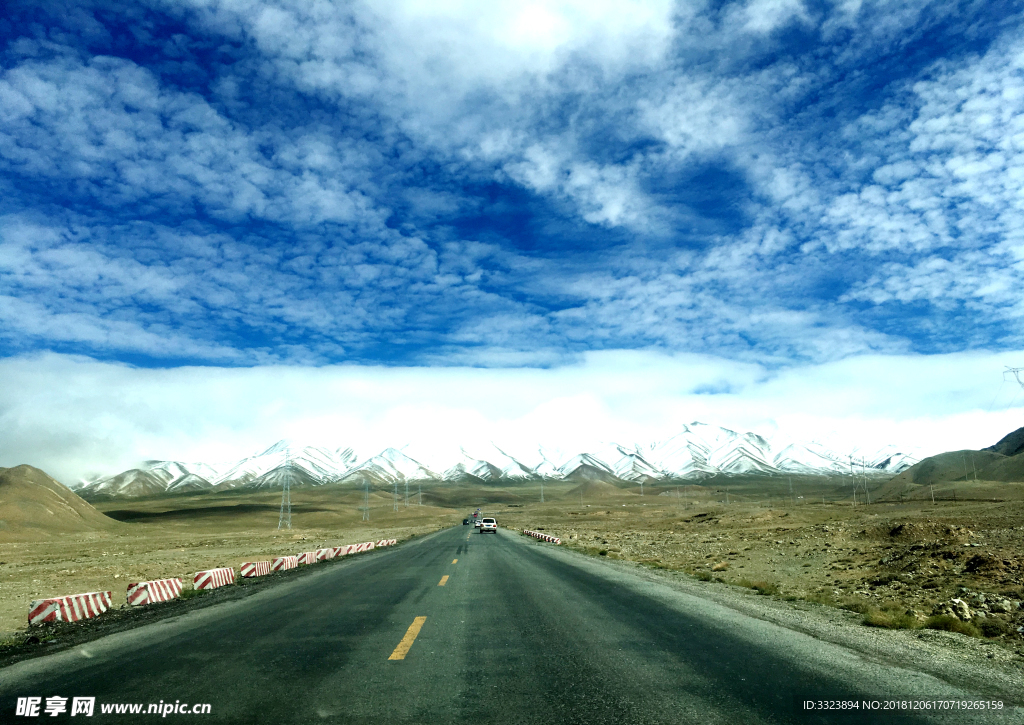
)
(957, 566)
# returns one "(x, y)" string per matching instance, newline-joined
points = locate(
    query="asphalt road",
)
(517, 633)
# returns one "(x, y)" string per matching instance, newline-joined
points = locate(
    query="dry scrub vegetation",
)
(177, 536)
(953, 565)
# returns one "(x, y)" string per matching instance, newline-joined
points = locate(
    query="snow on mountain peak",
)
(697, 450)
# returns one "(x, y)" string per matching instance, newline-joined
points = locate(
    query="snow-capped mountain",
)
(389, 466)
(698, 450)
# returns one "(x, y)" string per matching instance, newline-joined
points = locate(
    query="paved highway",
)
(459, 627)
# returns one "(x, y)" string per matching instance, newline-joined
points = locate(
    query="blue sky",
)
(776, 183)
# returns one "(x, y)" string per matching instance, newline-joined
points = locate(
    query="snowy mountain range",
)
(699, 450)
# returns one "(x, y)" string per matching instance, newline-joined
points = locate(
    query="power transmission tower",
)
(284, 521)
(366, 500)
(1016, 374)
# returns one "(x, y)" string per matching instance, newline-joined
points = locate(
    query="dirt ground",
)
(175, 537)
(896, 562)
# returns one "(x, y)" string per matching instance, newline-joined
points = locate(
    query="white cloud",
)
(105, 417)
(601, 107)
(765, 16)
(110, 125)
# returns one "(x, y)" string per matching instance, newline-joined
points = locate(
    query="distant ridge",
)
(698, 450)
(1011, 444)
(1003, 462)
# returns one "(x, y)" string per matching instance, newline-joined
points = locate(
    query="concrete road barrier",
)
(324, 554)
(306, 557)
(213, 578)
(157, 590)
(283, 563)
(542, 537)
(70, 608)
(255, 568)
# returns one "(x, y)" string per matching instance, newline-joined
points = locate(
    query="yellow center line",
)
(410, 636)
(444, 580)
(455, 561)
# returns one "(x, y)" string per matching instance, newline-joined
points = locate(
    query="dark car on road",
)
(465, 522)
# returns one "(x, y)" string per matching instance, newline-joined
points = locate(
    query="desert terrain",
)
(900, 564)
(900, 560)
(175, 536)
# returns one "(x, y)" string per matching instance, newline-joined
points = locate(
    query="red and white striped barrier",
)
(283, 563)
(306, 557)
(542, 537)
(387, 542)
(158, 590)
(366, 546)
(324, 554)
(213, 578)
(68, 609)
(254, 568)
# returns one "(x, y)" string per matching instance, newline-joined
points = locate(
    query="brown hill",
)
(33, 505)
(953, 466)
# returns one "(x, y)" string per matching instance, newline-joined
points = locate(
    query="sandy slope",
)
(33, 505)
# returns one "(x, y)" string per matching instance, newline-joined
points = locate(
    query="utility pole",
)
(366, 499)
(420, 484)
(542, 490)
(396, 494)
(407, 493)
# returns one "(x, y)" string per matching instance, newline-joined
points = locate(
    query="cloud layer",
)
(245, 182)
(774, 185)
(106, 417)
